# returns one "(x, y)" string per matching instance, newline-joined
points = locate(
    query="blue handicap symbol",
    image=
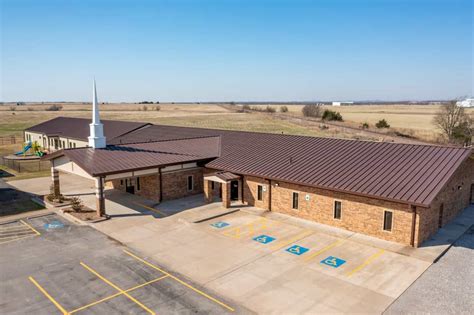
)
(53, 225)
(333, 261)
(264, 239)
(220, 224)
(297, 250)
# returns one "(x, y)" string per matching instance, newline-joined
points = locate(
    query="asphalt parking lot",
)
(50, 266)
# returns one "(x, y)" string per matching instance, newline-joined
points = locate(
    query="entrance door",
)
(234, 190)
(129, 186)
(471, 198)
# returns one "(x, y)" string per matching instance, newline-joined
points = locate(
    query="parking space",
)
(312, 261)
(15, 231)
(66, 269)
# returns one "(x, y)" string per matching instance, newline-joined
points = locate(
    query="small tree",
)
(364, 126)
(453, 122)
(76, 204)
(158, 108)
(313, 110)
(283, 109)
(382, 124)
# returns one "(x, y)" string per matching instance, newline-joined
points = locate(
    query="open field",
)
(413, 120)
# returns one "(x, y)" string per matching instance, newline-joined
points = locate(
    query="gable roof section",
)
(131, 157)
(78, 128)
(407, 173)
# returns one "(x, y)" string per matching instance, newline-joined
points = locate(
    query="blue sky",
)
(226, 50)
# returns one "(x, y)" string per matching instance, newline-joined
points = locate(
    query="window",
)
(387, 220)
(138, 183)
(190, 183)
(212, 185)
(74, 145)
(337, 209)
(64, 144)
(121, 182)
(260, 192)
(295, 200)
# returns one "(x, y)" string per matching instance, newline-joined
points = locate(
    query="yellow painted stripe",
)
(151, 209)
(49, 296)
(37, 233)
(247, 229)
(297, 237)
(116, 288)
(319, 252)
(116, 294)
(365, 263)
(16, 227)
(18, 238)
(180, 281)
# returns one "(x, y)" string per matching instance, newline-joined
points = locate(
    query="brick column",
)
(99, 196)
(208, 193)
(226, 195)
(55, 180)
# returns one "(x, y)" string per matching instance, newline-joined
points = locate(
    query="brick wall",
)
(250, 185)
(174, 185)
(454, 197)
(359, 214)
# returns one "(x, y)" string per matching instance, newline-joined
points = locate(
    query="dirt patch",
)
(86, 214)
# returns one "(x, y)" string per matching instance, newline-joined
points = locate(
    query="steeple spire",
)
(96, 137)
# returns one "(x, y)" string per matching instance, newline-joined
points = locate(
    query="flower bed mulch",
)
(86, 214)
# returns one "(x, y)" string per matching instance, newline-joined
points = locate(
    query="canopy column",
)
(55, 181)
(99, 195)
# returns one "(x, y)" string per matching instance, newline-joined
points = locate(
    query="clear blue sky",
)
(236, 50)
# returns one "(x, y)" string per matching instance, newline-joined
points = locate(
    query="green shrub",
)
(76, 204)
(364, 126)
(332, 115)
(382, 124)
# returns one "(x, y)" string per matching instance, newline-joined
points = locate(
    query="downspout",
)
(270, 196)
(413, 226)
(161, 185)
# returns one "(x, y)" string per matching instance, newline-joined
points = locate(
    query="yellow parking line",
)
(180, 281)
(365, 263)
(48, 296)
(116, 288)
(116, 294)
(16, 227)
(37, 233)
(151, 209)
(336, 243)
(18, 238)
(297, 237)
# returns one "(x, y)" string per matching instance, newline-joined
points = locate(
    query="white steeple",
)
(96, 137)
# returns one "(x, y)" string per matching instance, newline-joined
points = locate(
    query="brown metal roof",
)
(226, 176)
(405, 173)
(132, 157)
(78, 128)
(408, 173)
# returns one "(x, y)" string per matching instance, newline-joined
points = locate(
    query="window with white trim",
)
(337, 209)
(387, 220)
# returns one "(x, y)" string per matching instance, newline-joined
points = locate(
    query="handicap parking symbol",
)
(220, 224)
(54, 225)
(333, 261)
(264, 239)
(297, 250)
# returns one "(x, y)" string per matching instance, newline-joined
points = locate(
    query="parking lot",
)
(50, 266)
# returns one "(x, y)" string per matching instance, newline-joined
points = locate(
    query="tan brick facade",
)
(174, 184)
(362, 214)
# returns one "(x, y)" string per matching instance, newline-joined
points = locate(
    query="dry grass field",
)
(413, 120)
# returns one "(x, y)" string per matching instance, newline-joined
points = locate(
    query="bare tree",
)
(451, 119)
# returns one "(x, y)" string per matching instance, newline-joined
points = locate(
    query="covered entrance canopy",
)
(230, 187)
(121, 161)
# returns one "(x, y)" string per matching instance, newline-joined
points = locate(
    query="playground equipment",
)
(25, 148)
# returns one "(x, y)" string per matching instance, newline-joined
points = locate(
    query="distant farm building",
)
(468, 102)
(342, 103)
